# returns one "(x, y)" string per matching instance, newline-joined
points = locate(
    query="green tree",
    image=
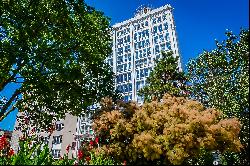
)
(220, 79)
(53, 52)
(166, 77)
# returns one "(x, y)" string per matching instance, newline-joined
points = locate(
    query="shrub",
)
(29, 154)
(167, 132)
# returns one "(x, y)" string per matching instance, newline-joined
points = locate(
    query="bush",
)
(167, 132)
(29, 154)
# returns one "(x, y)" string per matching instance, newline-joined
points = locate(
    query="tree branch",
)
(4, 83)
(6, 105)
(4, 115)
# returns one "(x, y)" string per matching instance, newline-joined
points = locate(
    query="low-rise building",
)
(58, 139)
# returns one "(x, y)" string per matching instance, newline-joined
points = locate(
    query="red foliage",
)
(11, 152)
(3, 142)
(88, 158)
(67, 148)
(91, 143)
(96, 140)
(26, 120)
(80, 154)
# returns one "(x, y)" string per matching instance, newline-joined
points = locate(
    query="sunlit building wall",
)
(137, 42)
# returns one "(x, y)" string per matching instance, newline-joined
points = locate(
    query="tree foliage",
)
(53, 52)
(167, 132)
(166, 77)
(220, 79)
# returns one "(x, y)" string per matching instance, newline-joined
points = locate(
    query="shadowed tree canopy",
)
(54, 51)
(165, 78)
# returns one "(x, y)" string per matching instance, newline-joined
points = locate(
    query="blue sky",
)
(198, 24)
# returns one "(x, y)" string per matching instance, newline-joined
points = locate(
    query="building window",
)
(120, 88)
(135, 36)
(157, 49)
(57, 139)
(167, 36)
(121, 78)
(168, 46)
(125, 77)
(157, 57)
(164, 17)
(129, 66)
(46, 140)
(128, 38)
(59, 126)
(125, 67)
(137, 85)
(146, 72)
(161, 38)
(155, 29)
(130, 87)
(147, 33)
(73, 146)
(160, 28)
(144, 52)
(148, 51)
(129, 57)
(125, 88)
(145, 61)
(126, 98)
(159, 19)
(156, 39)
(162, 47)
(91, 131)
(143, 43)
(165, 26)
(136, 55)
(141, 73)
(56, 153)
(149, 61)
(137, 74)
(129, 76)
(154, 20)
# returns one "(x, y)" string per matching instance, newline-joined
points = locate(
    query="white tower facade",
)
(137, 42)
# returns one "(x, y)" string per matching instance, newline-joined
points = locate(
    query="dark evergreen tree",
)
(166, 77)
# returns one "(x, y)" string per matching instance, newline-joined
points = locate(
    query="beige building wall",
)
(67, 135)
(58, 140)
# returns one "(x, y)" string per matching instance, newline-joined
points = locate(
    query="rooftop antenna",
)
(143, 9)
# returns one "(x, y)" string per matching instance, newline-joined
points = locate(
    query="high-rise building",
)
(137, 42)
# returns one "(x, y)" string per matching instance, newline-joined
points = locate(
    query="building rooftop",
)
(141, 12)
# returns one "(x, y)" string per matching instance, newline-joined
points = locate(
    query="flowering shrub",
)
(5, 151)
(3, 143)
(88, 156)
(167, 132)
(28, 154)
(39, 154)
